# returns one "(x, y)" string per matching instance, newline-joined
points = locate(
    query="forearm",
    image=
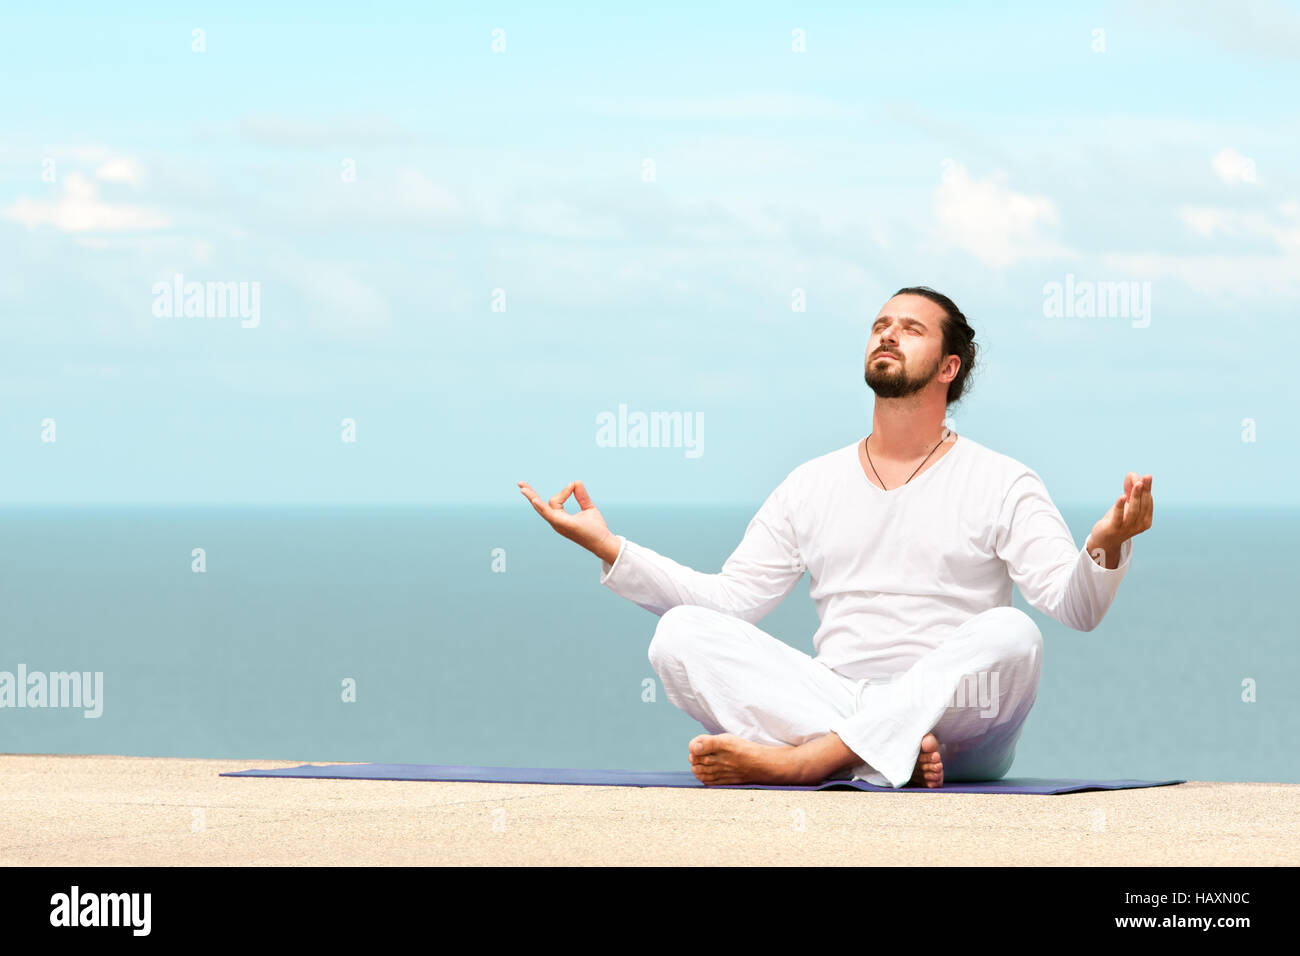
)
(657, 583)
(746, 588)
(757, 576)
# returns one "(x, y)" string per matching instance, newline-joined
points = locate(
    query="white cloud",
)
(79, 209)
(1248, 276)
(995, 224)
(382, 196)
(1248, 273)
(1232, 167)
(1208, 221)
(120, 170)
(1202, 220)
(416, 193)
(1255, 28)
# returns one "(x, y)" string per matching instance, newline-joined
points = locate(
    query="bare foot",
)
(929, 766)
(726, 758)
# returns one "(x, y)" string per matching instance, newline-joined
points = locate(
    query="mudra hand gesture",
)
(586, 528)
(1128, 516)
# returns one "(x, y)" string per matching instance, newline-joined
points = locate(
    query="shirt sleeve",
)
(1056, 577)
(758, 575)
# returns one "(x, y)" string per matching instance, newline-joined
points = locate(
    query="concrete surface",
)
(146, 811)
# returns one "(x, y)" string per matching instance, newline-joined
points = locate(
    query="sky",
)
(462, 237)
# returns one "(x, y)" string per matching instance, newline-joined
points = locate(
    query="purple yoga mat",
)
(673, 778)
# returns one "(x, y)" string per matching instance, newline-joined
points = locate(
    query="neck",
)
(906, 429)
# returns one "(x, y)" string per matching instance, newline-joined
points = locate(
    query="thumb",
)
(581, 496)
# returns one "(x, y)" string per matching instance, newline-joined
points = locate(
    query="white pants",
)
(973, 693)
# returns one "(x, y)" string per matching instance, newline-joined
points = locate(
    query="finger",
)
(536, 502)
(1133, 507)
(1131, 513)
(558, 500)
(1135, 499)
(1143, 499)
(581, 496)
(1129, 479)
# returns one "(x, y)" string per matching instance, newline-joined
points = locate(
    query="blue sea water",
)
(454, 662)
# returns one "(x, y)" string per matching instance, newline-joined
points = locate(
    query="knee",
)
(677, 627)
(1016, 633)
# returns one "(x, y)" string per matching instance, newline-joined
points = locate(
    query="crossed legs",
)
(770, 709)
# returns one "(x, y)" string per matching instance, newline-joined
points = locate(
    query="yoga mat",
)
(674, 778)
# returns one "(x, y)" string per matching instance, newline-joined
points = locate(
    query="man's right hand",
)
(586, 528)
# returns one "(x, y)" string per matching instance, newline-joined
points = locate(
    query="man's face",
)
(906, 346)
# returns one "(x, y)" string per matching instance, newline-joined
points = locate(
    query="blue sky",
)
(380, 171)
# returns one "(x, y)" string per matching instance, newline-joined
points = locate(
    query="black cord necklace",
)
(946, 433)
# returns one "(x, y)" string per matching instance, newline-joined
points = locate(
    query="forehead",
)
(913, 309)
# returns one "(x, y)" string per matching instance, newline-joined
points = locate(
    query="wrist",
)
(1105, 552)
(1104, 542)
(608, 548)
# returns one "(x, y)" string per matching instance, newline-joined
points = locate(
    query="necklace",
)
(946, 433)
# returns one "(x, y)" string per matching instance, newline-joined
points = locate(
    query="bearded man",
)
(912, 538)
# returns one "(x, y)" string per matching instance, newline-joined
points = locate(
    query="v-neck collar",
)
(861, 469)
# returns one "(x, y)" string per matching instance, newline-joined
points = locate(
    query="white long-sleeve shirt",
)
(892, 572)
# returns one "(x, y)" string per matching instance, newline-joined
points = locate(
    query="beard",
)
(891, 379)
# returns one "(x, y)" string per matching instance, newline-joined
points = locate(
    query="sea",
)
(479, 636)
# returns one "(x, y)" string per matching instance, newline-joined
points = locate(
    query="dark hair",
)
(958, 336)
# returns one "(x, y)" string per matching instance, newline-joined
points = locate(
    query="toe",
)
(701, 744)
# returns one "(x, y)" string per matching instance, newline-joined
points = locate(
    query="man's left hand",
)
(1130, 515)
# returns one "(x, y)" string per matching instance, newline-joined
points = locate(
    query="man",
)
(912, 539)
